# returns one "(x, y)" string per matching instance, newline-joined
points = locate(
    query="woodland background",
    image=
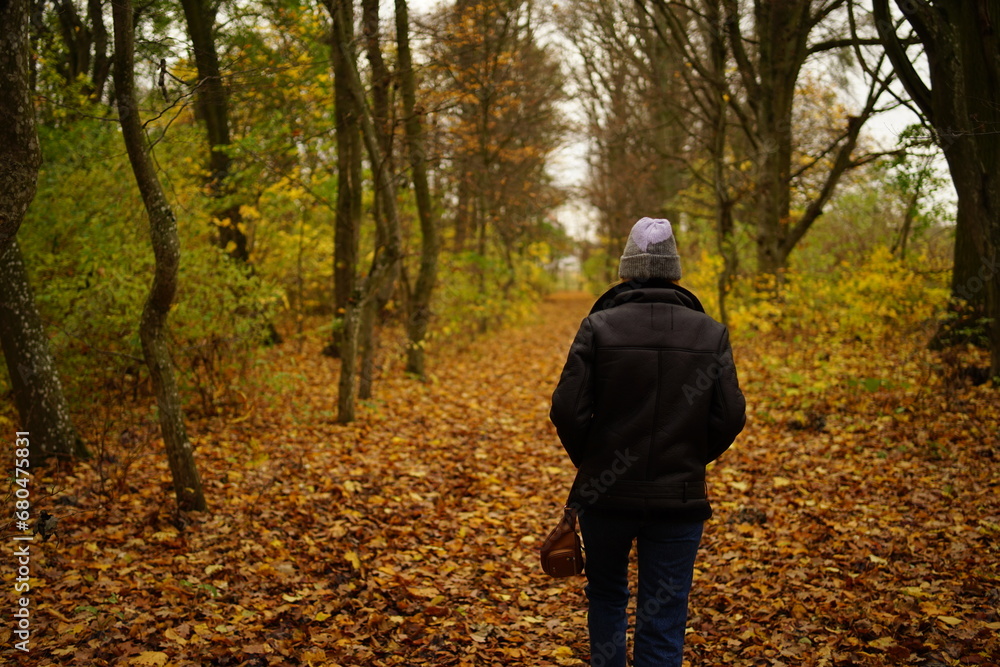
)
(286, 287)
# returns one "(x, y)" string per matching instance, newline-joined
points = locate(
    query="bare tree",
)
(770, 62)
(166, 249)
(637, 113)
(697, 32)
(961, 102)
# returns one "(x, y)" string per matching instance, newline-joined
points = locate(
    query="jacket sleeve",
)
(727, 414)
(573, 399)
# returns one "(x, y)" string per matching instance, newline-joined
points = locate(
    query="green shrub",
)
(86, 244)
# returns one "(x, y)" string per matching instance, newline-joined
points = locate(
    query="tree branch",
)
(852, 42)
(915, 86)
(743, 62)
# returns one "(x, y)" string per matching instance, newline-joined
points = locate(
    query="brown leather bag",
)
(562, 552)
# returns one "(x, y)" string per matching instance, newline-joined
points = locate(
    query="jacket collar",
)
(654, 289)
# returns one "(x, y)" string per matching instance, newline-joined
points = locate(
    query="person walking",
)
(648, 397)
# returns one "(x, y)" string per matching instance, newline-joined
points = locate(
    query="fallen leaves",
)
(844, 536)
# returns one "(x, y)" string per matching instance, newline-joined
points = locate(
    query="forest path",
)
(410, 536)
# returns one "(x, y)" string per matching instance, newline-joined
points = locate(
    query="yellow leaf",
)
(321, 616)
(780, 482)
(353, 559)
(950, 620)
(164, 535)
(314, 654)
(172, 635)
(151, 658)
(424, 591)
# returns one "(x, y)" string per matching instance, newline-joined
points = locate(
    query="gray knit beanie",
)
(651, 252)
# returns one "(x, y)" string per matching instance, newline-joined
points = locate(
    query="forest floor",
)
(863, 530)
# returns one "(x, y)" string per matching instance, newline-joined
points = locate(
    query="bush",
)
(86, 244)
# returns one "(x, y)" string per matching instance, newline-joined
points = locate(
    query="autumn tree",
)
(697, 31)
(629, 85)
(35, 382)
(77, 39)
(961, 102)
(166, 249)
(382, 119)
(350, 187)
(495, 90)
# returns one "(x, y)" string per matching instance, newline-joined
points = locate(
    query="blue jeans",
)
(666, 566)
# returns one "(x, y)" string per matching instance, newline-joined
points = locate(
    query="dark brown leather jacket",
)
(647, 398)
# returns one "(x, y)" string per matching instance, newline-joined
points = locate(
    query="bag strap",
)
(569, 514)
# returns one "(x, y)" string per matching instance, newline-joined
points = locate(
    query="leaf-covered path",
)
(866, 535)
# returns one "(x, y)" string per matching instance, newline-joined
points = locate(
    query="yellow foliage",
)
(871, 299)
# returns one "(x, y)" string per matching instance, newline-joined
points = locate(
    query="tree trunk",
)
(76, 37)
(972, 150)
(386, 257)
(714, 31)
(383, 127)
(782, 50)
(418, 318)
(368, 339)
(213, 107)
(38, 392)
(102, 64)
(166, 249)
(667, 133)
(20, 155)
(349, 188)
(962, 103)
